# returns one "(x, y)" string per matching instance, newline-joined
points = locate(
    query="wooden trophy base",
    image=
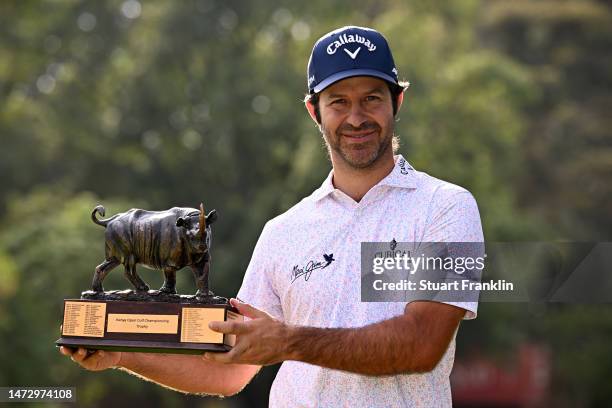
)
(146, 326)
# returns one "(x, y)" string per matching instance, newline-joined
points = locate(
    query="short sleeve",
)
(258, 284)
(454, 217)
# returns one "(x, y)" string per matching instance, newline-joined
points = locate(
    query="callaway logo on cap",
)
(349, 51)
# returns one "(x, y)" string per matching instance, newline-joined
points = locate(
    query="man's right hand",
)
(97, 361)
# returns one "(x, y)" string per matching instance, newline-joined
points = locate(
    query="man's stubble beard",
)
(335, 144)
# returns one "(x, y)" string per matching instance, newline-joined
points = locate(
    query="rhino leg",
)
(130, 272)
(101, 271)
(169, 285)
(200, 271)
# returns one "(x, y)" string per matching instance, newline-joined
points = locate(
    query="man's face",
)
(357, 120)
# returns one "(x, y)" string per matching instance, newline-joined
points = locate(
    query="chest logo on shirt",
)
(393, 244)
(311, 266)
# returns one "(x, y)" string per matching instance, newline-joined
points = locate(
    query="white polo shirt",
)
(306, 270)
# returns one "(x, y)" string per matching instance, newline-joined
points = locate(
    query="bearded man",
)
(302, 290)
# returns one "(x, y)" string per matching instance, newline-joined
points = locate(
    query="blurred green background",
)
(155, 104)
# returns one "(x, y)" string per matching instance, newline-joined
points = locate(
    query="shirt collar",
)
(403, 175)
(326, 188)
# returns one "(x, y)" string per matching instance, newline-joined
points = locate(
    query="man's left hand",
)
(262, 340)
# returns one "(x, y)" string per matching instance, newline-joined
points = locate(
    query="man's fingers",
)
(215, 357)
(247, 310)
(79, 355)
(67, 351)
(92, 359)
(219, 357)
(83, 356)
(227, 327)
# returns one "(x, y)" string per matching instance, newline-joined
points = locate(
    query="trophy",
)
(147, 320)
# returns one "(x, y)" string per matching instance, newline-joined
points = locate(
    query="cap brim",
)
(352, 73)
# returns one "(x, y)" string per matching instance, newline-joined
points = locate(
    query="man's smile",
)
(360, 136)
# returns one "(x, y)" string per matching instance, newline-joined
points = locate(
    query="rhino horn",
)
(202, 220)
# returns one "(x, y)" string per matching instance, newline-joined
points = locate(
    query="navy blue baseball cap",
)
(347, 52)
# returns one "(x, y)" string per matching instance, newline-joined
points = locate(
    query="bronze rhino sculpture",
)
(162, 240)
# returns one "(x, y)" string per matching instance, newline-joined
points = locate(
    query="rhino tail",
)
(100, 209)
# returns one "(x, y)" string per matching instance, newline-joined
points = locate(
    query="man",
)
(301, 290)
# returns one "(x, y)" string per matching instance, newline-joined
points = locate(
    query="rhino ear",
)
(211, 217)
(181, 222)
